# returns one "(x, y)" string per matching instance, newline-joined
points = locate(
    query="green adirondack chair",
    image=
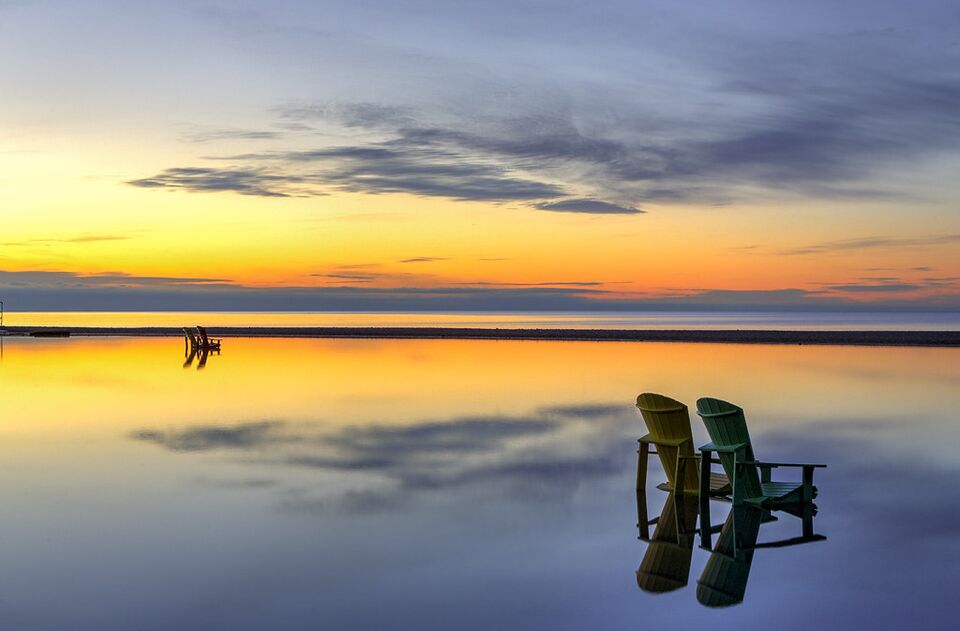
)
(723, 581)
(751, 479)
(668, 424)
(666, 562)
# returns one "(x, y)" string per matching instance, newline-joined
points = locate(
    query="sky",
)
(496, 155)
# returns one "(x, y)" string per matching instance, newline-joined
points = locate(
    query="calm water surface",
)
(438, 484)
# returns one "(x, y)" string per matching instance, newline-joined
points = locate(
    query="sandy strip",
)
(844, 338)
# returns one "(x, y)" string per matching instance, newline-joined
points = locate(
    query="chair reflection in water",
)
(666, 562)
(723, 581)
(201, 355)
(746, 484)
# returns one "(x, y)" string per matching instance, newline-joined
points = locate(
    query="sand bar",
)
(844, 338)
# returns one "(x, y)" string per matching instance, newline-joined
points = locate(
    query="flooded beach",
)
(293, 483)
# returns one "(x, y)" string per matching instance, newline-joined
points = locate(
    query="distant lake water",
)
(453, 484)
(647, 320)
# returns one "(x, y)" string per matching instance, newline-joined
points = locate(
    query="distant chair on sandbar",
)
(205, 341)
(199, 340)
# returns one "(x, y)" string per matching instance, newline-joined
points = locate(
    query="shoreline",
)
(739, 336)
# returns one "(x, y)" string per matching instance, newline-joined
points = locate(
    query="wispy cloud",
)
(348, 277)
(827, 135)
(424, 259)
(80, 239)
(72, 280)
(588, 206)
(214, 180)
(214, 135)
(874, 288)
(870, 243)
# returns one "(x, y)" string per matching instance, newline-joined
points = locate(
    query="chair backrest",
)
(203, 335)
(669, 420)
(724, 578)
(727, 427)
(666, 563)
(190, 336)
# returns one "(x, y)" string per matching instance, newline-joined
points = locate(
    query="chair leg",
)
(705, 500)
(807, 484)
(643, 454)
(735, 484)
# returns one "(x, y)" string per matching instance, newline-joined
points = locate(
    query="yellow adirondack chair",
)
(668, 424)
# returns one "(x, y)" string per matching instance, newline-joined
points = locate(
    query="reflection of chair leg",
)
(808, 512)
(203, 360)
(643, 520)
(643, 454)
(189, 360)
(686, 512)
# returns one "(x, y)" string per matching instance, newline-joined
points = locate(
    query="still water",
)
(444, 484)
(852, 321)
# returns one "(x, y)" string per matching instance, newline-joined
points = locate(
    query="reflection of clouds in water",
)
(888, 506)
(880, 476)
(236, 483)
(545, 453)
(207, 437)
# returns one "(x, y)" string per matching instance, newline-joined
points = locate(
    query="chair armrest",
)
(783, 543)
(714, 529)
(759, 463)
(646, 440)
(672, 442)
(732, 449)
